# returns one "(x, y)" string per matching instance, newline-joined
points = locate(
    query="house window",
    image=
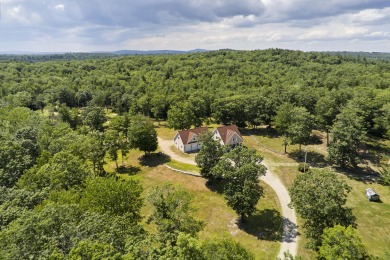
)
(234, 139)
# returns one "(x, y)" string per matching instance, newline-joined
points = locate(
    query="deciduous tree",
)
(295, 123)
(95, 151)
(173, 213)
(107, 195)
(301, 125)
(340, 242)
(348, 132)
(319, 197)
(94, 117)
(242, 168)
(112, 143)
(181, 116)
(225, 249)
(63, 171)
(142, 135)
(209, 154)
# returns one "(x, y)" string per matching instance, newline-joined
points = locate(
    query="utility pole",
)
(304, 166)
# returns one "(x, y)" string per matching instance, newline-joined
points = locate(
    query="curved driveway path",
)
(289, 237)
(290, 229)
(165, 146)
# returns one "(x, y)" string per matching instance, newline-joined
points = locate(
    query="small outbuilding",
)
(371, 195)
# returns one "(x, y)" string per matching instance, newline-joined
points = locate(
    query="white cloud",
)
(60, 7)
(247, 24)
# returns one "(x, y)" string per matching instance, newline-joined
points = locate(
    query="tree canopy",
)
(142, 135)
(341, 242)
(319, 197)
(63, 119)
(209, 154)
(242, 168)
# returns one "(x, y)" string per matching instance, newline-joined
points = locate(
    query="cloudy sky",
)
(96, 25)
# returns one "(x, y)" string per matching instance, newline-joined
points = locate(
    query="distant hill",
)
(154, 52)
(385, 56)
(48, 56)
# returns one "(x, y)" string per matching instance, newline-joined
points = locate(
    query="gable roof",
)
(187, 135)
(227, 131)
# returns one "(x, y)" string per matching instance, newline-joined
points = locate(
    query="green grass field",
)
(373, 219)
(164, 132)
(183, 166)
(261, 233)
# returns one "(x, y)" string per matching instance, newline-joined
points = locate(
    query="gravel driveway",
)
(289, 237)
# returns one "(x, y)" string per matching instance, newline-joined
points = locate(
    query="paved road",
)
(289, 237)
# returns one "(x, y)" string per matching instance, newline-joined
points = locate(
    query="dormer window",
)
(234, 139)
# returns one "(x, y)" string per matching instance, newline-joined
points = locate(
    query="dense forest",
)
(241, 87)
(55, 135)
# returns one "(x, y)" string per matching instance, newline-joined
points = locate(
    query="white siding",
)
(235, 139)
(178, 143)
(217, 136)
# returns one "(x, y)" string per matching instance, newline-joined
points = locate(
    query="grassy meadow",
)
(262, 232)
(372, 219)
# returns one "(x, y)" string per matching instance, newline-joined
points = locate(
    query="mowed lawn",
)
(372, 219)
(260, 235)
(262, 232)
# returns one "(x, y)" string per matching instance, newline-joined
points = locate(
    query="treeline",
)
(363, 56)
(153, 84)
(54, 56)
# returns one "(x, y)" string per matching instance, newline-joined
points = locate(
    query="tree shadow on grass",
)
(315, 139)
(372, 156)
(267, 132)
(375, 144)
(217, 185)
(130, 170)
(154, 159)
(313, 158)
(264, 224)
(362, 174)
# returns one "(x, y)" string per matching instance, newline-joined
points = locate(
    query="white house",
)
(228, 135)
(187, 140)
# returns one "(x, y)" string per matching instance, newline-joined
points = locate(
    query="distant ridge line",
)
(118, 52)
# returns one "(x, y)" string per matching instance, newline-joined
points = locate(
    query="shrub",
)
(301, 167)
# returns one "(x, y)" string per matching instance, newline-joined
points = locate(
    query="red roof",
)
(187, 135)
(227, 131)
